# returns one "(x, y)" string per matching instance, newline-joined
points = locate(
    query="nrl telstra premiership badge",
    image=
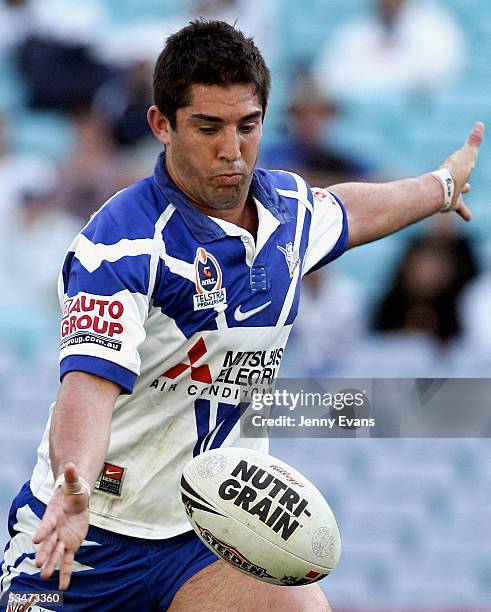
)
(208, 279)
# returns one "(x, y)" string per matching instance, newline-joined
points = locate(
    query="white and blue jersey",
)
(182, 311)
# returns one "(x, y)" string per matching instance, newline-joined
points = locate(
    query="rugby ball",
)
(260, 515)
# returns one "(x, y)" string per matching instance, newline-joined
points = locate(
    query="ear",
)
(159, 124)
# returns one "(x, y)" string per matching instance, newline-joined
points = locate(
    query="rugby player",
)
(179, 292)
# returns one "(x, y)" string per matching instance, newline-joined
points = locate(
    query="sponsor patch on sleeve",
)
(91, 319)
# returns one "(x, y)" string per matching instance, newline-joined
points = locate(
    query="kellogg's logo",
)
(208, 279)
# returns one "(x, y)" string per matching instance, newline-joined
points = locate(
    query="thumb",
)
(461, 163)
(71, 473)
(471, 148)
(476, 135)
(74, 484)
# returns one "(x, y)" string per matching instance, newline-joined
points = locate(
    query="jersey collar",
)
(203, 227)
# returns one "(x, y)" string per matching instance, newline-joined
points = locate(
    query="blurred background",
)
(362, 90)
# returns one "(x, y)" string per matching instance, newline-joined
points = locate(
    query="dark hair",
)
(210, 53)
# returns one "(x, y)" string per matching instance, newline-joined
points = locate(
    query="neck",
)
(243, 214)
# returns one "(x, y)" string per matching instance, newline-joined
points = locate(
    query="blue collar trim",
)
(205, 229)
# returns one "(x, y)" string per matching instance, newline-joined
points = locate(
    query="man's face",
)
(213, 150)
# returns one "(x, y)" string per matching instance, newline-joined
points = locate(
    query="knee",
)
(316, 600)
(300, 599)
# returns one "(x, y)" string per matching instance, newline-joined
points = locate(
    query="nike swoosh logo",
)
(111, 473)
(242, 316)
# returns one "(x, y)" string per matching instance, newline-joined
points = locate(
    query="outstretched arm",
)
(377, 210)
(79, 438)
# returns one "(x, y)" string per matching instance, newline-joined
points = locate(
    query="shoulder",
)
(131, 214)
(288, 185)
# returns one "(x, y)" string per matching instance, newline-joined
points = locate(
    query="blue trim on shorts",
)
(126, 573)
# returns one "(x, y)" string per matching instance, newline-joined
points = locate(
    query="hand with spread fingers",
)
(460, 165)
(63, 527)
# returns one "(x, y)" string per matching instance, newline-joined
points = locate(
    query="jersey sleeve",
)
(328, 232)
(103, 287)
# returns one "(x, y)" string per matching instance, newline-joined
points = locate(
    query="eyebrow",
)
(212, 119)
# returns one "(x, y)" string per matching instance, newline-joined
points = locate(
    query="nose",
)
(229, 145)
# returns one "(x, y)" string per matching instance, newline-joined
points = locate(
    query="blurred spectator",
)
(403, 46)
(329, 324)
(255, 18)
(424, 293)
(138, 39)
(19, 172)
(124, 100)
(59, 76)
(15, 23)
(475, 309)
(57, 59)
(31, 256)
(70, 21)
(42, 237)
(306, 147)
(95, 170)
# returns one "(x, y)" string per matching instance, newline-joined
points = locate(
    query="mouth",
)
(228, 179)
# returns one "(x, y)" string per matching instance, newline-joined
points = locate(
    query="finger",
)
(66, 570)
(48, 524)
(476, 135)
(46, 550)
(466, 188)
(44, 530)
(55, 558)
(463, 211)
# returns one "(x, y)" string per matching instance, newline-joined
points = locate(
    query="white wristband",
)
(448, 185)
(82, 486)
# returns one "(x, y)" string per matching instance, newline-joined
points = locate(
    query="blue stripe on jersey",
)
(131, 273)
(227, 417)
(65, 271)
(263, 189)
(131, 213)
(170, 296)
(341, 244)
(280, 179)
(179, 240)
(304, 240)
(100, 367)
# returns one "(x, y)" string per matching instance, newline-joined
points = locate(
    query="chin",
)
(223, 205)
(222, 202)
